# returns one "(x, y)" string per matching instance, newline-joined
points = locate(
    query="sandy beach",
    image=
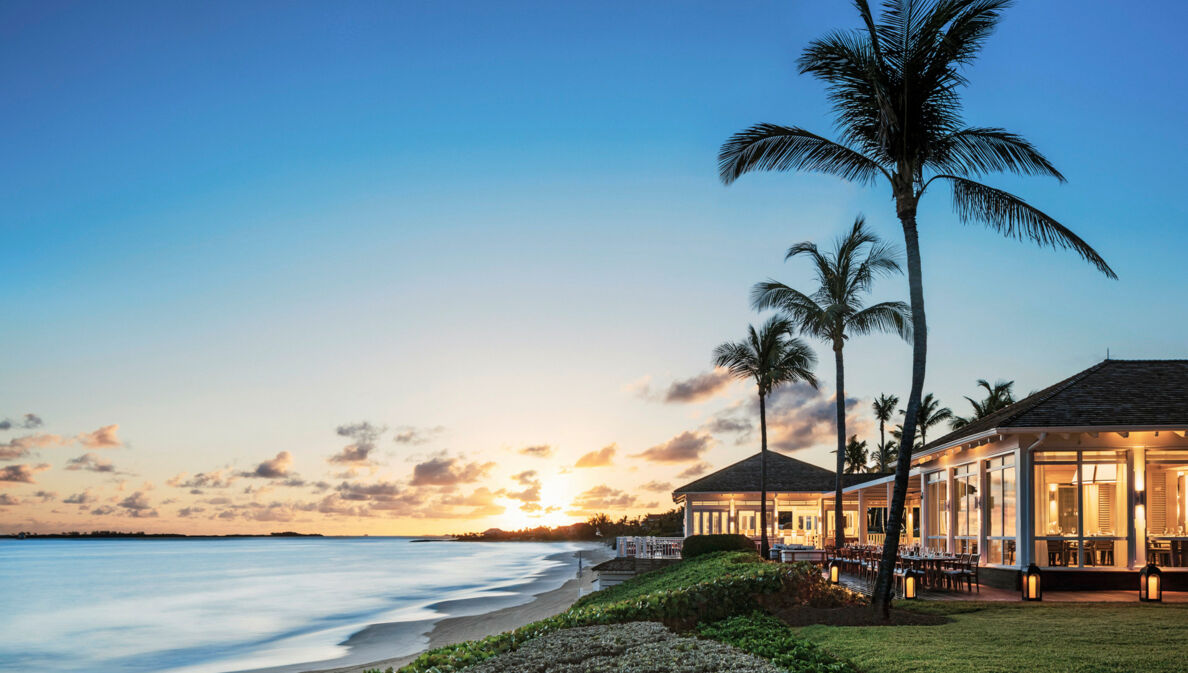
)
(478, 624)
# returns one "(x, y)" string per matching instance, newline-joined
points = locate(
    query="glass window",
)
(1000, 510)
(938, 510)
(1080, 508)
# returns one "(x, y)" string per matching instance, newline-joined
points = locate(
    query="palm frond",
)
(1013, 217)
(770, 147)
(991, 150)
(889, 316)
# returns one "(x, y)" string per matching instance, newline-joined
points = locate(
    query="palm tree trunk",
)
(839, 517)
(882, 447)
(763, 476)
(906, 206)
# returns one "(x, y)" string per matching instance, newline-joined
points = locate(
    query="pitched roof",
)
(784, 474)
(1111, 393)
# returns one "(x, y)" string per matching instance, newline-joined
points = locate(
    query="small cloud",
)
(699, 388)
(46, 496)
(22, 473)
(657, 486)
(414, 436)
(20, 447)
(103, 438)
(83, 498)
(685, 447)
(190, 511)
(276, 468)
(538, 451)
(214, 479)
(694, 471)
(530, 480)
(444, 471)
(641, 387)
(601, 497)
(138, 505)
(799, 417)
(92, 462)
(365, 436)
(7, 500)
(600, 458)
(28, 422)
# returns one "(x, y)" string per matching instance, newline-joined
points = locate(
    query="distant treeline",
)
(116, 533)
(598, 527)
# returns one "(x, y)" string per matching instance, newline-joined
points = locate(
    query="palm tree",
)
(894, 85)
(772, 357)
(884, 456)
(883, 407)
(855, 455)
(930, 414)
(998, 396)
(834, 312)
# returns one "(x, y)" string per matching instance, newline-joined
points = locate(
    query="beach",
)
(451, 630)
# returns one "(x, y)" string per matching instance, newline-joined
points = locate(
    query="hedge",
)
(697, 545)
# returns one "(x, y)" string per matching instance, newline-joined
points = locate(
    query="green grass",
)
(1018, 638)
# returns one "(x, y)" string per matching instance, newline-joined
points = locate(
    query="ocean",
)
(220, 605)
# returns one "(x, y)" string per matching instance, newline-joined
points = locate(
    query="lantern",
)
(1151, 584)
(911, 584)
(1032, 587)
(834, 572)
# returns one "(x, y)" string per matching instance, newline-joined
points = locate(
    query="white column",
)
(861, 516)
(951, 510)
(821, 523)
(775, 516)
(1136, 535)
(688, 516)
(982, 501)
(924, 523)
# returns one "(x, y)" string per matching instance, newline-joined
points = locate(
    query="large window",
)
(965, 500)
(1080, 508)
(938, 510)
(1167, 508)
(1000, 510)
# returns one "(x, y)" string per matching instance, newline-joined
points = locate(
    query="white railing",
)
(649, 547)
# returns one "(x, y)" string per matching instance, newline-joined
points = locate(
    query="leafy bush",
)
(708, 588)
(696, 545)
(768, 637)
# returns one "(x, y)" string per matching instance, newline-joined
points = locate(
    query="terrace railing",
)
(649, 547)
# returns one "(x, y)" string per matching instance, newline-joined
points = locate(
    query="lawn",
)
(1018, 637)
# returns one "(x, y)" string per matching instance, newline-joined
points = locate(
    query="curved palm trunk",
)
(882, 446)
(839, 518)
(763, 476)
(882, 592)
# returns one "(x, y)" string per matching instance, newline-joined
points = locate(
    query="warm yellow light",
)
(833, 574)
(909, 586)
(1032, 586)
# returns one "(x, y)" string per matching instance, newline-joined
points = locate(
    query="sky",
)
(410, 268)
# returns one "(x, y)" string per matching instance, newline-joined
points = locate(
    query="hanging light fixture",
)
(1151, 584)
(1033, 589)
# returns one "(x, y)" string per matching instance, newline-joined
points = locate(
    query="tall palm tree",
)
(894, 85)
(834, 312)
(885, 456)
(772, 357)
(883, 407)
(855, 455)
(998, 396)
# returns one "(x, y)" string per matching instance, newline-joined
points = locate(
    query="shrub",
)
(696, 545)
(765, 636)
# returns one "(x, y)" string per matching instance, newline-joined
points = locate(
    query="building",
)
(1087, 478)
(801, 497)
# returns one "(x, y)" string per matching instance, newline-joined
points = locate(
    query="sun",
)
(555, 498)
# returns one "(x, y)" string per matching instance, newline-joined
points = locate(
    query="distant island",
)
(97, 534)
(598, 527)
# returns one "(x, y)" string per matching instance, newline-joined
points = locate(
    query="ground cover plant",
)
(765, 636)
(700, 590)
(1017, 638)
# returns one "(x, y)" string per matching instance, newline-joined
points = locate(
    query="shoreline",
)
(471, 619)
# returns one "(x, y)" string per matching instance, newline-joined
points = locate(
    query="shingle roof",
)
(1111, 393)
(784, 474)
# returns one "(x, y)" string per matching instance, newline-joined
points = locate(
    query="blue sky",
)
(232, 227)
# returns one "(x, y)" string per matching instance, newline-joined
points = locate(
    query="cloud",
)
(275, 468)
(28, 422)
(800, 417)
(412, 435)
(213, 479)
(481, 503)
(444, 471)
(103, 510)
(46, 496)
(7, 500)
(641, 387)
(22, 473)
(538, 451)
(531, 493)
(657, 486)
(728, 422)
(92, 462)
(685, 447)
(601, 497)
(694, 471)
(103, 438)
(378, 491)
(83, 498)
(358, 452)
(20, 447)
(699, 388)
(600, 458)
(138, 505)
(190, 511)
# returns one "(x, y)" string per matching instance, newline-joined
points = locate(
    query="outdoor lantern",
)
(1151, 584)
(834, 572)
(910, 584)
(1032, 588)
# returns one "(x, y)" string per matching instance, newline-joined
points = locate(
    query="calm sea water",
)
(206, 606)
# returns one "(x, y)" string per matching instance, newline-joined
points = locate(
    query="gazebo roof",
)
(1111, 393)
(784, 474)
